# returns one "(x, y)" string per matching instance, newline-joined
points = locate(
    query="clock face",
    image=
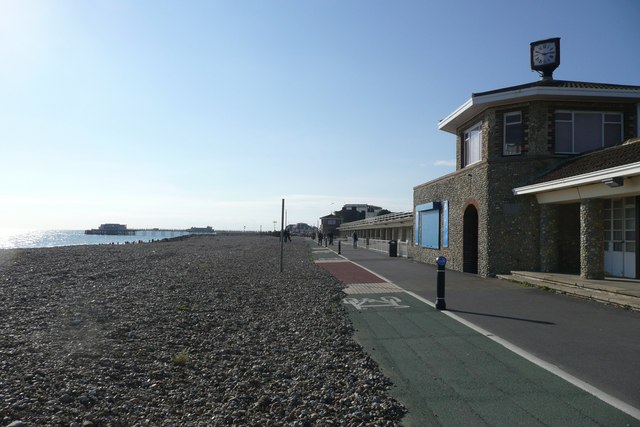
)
(544, 53)
(545, 57)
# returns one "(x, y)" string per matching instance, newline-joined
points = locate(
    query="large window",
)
(472, 145)
(579, 131)
(512, 134)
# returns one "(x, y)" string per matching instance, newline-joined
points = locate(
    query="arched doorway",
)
(470, 240)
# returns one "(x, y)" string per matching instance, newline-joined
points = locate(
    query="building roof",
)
(360, 205)
(595, 167)
(561, 84)
(331, 216)
(596, 160)
(539, 90)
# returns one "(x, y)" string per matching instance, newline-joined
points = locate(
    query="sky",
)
(175, 114)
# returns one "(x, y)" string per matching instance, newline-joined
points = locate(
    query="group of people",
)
(328, 238)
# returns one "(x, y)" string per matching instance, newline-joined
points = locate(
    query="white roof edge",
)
(456, 113)
(559, 91)
(497, 98)
(630, 169)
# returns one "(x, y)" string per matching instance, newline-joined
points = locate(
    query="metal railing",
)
(378, 220)
(379, 245)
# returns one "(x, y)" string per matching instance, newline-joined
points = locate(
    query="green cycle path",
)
(449, 374)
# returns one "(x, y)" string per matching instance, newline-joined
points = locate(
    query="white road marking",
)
(550, 367)
(365, 303)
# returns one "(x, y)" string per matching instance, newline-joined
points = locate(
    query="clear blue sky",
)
(192, 113)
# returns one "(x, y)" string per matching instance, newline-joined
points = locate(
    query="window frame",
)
(603, 123)
(504, 132)
(466, 147)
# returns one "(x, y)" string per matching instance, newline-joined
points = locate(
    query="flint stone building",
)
(544, 181)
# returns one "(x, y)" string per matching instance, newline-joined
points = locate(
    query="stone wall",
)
(549, 231)
(508, 226)
(592, 239)
(513, 222)
(509, 229)
(467, 186)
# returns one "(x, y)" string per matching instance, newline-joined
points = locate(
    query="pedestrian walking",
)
(319, 238)
(355, 240)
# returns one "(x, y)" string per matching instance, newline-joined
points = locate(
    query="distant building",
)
(330, 224)
(202, 230)
(368, 210)
(301, 229)
(111, 230)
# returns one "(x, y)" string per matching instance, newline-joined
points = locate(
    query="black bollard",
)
(440, 304)
(339, 248)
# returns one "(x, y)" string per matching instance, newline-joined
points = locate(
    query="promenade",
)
(501, 354)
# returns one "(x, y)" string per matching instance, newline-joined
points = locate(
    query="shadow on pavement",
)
(540, 322)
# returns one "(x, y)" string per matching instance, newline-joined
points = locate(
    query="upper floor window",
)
(472, 145)
(579, 131)
(513, 134)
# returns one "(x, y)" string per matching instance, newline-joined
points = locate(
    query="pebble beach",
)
(203, 331)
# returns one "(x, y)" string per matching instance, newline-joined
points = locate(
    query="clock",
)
(545, 56)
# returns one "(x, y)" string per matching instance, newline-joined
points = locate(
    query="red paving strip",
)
(348, 273)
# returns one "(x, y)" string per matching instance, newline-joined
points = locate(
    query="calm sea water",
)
(10, 239)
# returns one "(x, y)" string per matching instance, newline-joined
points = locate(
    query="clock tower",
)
(545, 57)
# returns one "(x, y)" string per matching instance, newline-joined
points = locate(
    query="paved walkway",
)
(493, 358)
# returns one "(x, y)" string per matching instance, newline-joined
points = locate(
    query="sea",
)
(11, 238)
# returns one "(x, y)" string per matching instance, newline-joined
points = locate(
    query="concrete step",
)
(600, 295)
